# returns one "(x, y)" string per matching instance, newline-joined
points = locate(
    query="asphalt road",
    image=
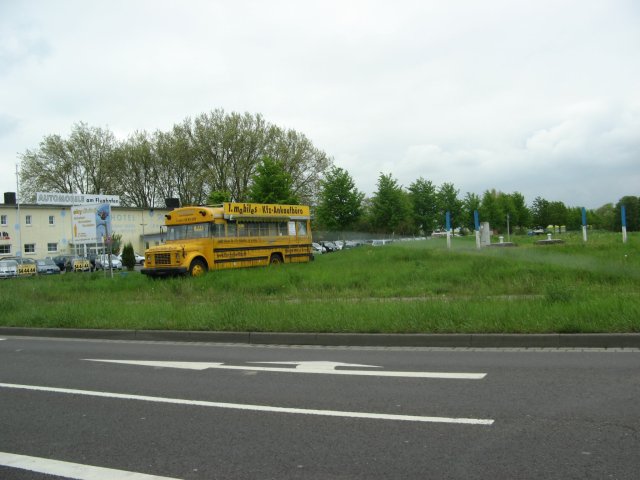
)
(220, 411)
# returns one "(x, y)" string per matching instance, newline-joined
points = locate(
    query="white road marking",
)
(71, 470)
(255, 408)
(326, 368)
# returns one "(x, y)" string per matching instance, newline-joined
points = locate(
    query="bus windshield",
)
(185, 232)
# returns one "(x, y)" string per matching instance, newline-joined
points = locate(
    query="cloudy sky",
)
(540, 97)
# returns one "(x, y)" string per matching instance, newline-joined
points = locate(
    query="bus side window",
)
(302, 227)
(231, 229)
(253, 229)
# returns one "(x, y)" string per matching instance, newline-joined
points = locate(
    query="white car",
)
(102, 262)
(139, 258)
(8, 268)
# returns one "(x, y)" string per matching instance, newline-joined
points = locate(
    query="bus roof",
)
(229, 210)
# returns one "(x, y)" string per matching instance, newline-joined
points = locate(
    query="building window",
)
(3, 220)
(52, 220)
(29, 248)
(52, 247)
(27, 219)
(5, 249)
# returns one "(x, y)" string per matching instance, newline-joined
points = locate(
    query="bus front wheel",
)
(276, 259)
(197, 268)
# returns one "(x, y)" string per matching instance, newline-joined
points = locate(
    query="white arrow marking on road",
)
(327, 368)
(71, 470)
(255, 408)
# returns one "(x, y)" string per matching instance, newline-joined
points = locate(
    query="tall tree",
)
(557, 213)
(340, 202)
(424, 204)
(448, 201)
(540, 213)
(390, 209)
(632, 208)
(605, 217)
(521, 213)
(272, 184)
(491, 210)
(136, 172)
(82, 163)
(179, 174)
(470, 204)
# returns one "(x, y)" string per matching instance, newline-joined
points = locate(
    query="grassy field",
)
(406, 287)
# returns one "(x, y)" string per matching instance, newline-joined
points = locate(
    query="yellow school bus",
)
(231, 235)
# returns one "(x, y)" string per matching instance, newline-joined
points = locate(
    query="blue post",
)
(623, 214)
(476, 221)
(584, 224)
(448, 227)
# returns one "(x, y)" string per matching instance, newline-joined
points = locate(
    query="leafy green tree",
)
(632, 208)
(604, 217)
(540, 212)
(340, 202)
(470, 204)
(128, 256)
(448, 201)
(424, 204)
(272, 184)
(491, 210)
(557, 213)
(506, 206)
(521, 213)
(390, 210)
(216, 197)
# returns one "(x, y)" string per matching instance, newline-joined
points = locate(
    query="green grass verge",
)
(408, 287)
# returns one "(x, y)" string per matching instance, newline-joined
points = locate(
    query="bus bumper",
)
(164, 271)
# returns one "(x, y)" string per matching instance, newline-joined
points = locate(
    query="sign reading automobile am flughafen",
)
(57, 198)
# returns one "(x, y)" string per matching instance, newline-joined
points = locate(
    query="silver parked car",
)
(102, 262)
(8, 269)
(47, 267)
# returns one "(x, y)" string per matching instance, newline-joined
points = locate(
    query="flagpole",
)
(18, 223)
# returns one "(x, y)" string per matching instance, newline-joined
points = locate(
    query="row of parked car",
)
(328, 247)
(17, 266)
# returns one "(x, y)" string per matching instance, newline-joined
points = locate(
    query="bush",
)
(128, 257)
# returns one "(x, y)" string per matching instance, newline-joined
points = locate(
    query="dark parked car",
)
(47, 267)
(61, 261)
(71, 263)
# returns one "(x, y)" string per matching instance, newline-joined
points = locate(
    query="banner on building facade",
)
(91, 223)
(57, 198)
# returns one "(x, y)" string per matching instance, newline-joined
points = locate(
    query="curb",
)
(472, 340)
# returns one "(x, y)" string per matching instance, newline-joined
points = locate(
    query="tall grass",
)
(405, 287)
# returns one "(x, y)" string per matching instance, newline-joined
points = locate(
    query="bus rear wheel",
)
(276, 259)
(197, 268)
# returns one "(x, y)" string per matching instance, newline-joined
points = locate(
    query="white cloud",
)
(538, 97)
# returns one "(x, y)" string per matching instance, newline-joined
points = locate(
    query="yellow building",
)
(39, 231)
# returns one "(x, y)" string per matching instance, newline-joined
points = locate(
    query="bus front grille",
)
(163, 259)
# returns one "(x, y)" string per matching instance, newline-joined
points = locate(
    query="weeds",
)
(401, 288)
